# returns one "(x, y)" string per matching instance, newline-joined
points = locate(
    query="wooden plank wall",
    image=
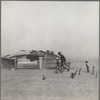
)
(8, 63)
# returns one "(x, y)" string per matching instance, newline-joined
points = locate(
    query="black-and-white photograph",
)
(49, 50)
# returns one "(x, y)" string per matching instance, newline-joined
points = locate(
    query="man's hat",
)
(59, 53)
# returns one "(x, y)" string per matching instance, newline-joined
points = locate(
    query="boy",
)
(87, 66)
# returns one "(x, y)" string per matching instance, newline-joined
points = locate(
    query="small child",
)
(87, 66)
(58, 65)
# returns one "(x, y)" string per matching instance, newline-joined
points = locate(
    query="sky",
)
(71, 27)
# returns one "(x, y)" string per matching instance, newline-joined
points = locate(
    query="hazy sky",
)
(69, 27)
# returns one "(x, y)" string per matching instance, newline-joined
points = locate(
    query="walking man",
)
(63, 60)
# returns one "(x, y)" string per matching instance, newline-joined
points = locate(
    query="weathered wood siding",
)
(8, 63)
(51, 61)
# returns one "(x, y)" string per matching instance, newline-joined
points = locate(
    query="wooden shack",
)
(30, 59)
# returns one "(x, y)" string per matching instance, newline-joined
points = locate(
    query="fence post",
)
(79, 71)
(75, 72)
(93, 70)
(96, 74)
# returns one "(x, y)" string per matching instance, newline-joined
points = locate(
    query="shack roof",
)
(21, 53)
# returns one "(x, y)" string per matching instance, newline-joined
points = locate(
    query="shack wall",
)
(51, 61)
(8, 63)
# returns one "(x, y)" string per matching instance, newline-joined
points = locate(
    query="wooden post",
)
(44, 77)
(93, 70)
(96, 74)
(72, 75)
(75, 72)
(79, 71)
(16, 60)
(44, 61)
(40, 63)
(46, 57)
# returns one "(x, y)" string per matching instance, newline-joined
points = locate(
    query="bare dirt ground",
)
(27, 84)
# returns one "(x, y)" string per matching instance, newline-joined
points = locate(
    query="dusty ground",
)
(27, 84)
